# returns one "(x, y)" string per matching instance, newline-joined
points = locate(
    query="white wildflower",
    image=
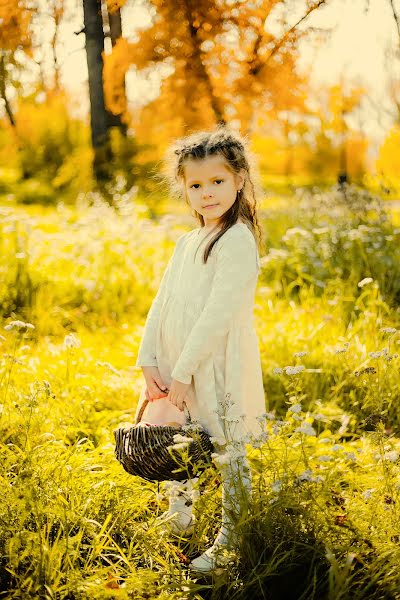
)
(277, 371)
(388, 329)
(318, 478)
(306, 428)
(293, 370)
(392, 456)
(181, 446)
(306, 475)
(261, 418)
(218, 440)
(365, 281)
(337, 447)
(221, 459)
(18, 325)
(324, 458)
(300, 354)
(374, 354)
(181, 438)
(350, 456)
(71, 341)
(368, 493)
(257, 441)
(325, 440)
(296, 408)
(276, 486)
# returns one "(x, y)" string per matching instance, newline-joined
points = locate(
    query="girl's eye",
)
(194, 184)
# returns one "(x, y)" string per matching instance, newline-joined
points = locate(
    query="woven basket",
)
(144, 451)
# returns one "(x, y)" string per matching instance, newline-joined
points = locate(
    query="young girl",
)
(199, 344)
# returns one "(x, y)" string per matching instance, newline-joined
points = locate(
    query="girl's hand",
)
(156, 388)
(177, 393)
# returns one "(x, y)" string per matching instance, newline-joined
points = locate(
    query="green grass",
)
(324, 520)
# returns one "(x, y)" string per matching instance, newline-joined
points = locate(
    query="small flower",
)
(325, 440)
(257, 441)
(296, 408)
(388, 329)
(374, 354)
(181, 446)
(305, 476)
(324, 458)
(368, 493)
(218, 440)
(300, 354)
(293, 370)
(261, 418)
(306, 428)
(318, 478)
(337, 447)
(392, 456)
(18, 325)
(276, 486)
(71, 341)
(221, 459)
(350, 456)
(181, 438)
(277, 371)
(365, 281)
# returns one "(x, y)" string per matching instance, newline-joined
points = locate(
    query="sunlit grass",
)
(324, 518)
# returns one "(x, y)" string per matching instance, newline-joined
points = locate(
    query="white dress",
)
(200, 330)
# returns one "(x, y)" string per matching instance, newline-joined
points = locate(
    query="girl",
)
(199, 344)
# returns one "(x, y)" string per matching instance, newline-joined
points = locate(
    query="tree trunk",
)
(93, 27)
(3, 91)
(115, 25)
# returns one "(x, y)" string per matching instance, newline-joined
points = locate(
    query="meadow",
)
(75, 287)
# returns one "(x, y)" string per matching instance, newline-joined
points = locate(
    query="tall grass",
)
(323, 520)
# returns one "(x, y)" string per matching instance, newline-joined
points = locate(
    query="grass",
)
(323, 522)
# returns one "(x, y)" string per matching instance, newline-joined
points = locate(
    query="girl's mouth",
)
(210, 206)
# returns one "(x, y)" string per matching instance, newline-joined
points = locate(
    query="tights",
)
(236, 490)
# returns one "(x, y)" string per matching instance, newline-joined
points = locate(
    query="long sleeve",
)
(147, 349)
(236, 267)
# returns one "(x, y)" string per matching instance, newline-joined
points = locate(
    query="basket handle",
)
(145, 403)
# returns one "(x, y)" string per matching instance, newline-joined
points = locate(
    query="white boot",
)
(179, 518)
(236, 490)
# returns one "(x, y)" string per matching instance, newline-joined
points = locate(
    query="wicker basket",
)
(144, 451)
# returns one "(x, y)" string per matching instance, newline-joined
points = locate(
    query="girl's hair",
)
(233, 148)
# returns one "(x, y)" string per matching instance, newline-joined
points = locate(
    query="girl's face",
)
(209, 181)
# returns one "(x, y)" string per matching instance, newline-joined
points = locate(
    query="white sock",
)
(181, 495)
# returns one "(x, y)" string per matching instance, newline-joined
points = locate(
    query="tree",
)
(224, 61)
(15, 34)
(93, 29)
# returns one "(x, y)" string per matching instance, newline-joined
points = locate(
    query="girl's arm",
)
(236, 267)
(147, 348)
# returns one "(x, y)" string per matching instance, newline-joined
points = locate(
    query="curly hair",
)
(233, 148)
